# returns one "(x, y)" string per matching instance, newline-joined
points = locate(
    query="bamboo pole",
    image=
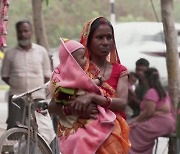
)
(172, 57)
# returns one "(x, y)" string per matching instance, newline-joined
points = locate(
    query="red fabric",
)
(117, 71)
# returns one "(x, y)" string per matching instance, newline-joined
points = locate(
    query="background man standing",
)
(24, 67)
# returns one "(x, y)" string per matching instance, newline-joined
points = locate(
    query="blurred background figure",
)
(157, 117)
(135, 97)
(132, 81)
(24, 67)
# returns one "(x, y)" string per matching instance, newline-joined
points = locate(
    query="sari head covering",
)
(88, 31)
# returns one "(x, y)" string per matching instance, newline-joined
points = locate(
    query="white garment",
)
(45, 126)
(26, 69)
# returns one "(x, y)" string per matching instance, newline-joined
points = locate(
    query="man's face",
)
(140, 69)
(24, 34)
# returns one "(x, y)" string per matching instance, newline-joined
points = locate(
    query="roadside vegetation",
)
(65, 18)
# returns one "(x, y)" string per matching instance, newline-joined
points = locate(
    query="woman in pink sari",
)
(156, 117)
(107, 133)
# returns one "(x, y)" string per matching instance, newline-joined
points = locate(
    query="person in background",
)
(111, 136)
(24, 67)
(132, 81)
(156, 118)
(134, 98)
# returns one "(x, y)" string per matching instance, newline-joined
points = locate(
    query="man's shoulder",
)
(39, 47)
(10, 50)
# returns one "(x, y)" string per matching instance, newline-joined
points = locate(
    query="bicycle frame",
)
(38, 134)
(31, 126)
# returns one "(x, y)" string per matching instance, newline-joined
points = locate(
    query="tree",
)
(39, 28)
(172, 58)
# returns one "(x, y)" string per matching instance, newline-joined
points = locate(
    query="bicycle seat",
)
(41, 104)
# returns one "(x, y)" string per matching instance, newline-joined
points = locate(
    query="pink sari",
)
(143, 134)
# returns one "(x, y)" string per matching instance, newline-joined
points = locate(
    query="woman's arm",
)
(54, 108)
(148, 111)
(117, 104)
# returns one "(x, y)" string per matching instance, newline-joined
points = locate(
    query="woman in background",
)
(156, 118)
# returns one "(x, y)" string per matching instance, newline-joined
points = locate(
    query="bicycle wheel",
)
(14, 141)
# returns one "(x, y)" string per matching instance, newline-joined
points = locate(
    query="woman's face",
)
(102, 41)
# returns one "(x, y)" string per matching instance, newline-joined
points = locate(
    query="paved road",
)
(162, 145)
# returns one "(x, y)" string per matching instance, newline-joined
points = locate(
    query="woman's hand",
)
(91, 112)
(54, 108)
(83, 106)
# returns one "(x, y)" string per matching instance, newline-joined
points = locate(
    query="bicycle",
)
(25, 139)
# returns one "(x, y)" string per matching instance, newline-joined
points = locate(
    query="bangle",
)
(66, 110)
(63, 109)
(108, 102)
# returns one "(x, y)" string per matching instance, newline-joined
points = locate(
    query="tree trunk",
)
(39, 28)
(172, 57)
(1, 3)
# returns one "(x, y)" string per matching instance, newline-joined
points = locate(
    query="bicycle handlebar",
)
(30, 92)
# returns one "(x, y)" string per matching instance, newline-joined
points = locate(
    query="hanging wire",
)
(157, 19)
(154, 10)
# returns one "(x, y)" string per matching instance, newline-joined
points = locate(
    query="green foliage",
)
(65, 18)
(176, 11)
(131, 18)
(47, 2)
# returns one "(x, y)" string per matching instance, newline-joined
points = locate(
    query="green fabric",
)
(61, 101)
(66, 90)
(178, 121)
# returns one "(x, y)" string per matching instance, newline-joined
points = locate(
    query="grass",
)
(4, 87)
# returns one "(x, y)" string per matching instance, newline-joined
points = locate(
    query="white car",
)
(136, 40)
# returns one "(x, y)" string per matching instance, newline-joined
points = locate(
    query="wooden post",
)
(172, 57)
(1, 2)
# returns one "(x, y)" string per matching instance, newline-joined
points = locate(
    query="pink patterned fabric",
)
(3, 22)
(69, 74)
(87, 140)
